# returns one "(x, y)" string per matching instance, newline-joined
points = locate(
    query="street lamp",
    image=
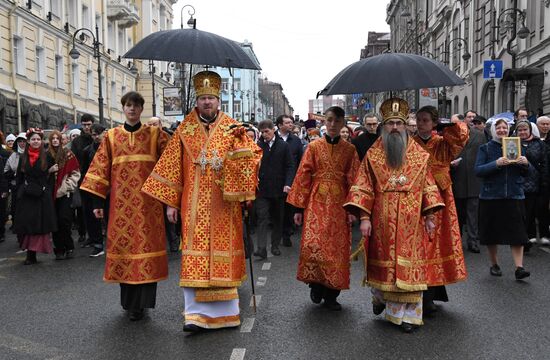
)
(152, 70)
(192, 22)
(466, 56)
(75, 54)
(511, 21)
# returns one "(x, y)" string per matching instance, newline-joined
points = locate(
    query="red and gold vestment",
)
(395, 201)
(320, 187)
(444, 253)
(189, 176)
(136, 242)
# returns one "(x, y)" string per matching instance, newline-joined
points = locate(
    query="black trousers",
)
(467, 211)
(288, 220)
(93, 225)
(3, 215)
(62, 239)
(437, 293)
(543, 214)
(138, 297)
(327, 293)
(269, 209)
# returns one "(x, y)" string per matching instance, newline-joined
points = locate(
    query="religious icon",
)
(511, 148)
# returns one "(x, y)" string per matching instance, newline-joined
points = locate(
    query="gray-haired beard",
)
(395, 145)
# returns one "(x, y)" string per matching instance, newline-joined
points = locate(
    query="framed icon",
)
(511, 148)
(172, 101)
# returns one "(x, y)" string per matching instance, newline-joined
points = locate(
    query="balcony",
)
(123, 11)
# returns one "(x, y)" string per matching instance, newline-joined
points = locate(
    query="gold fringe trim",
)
(407, 297)
(211, 283)
(240, 197)
(361, 248)
(112, 256)
(215, 294)
(239, 154)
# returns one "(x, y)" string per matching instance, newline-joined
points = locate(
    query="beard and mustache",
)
(395, 145)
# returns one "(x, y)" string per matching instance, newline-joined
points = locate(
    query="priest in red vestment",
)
(395, 196)
(319, 189)
(136, 251)
(445, 256)
(209, 167)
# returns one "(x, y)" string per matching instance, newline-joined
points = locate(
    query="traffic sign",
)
(492, 69)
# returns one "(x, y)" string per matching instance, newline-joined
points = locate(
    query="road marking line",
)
(258, 299)
(247, 325)
(266, 266)
(3, 259)
(261, 280)
(545, 249)
(237, 354)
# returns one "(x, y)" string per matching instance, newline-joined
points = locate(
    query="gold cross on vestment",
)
(395, 180)
(247, 172)
(203, 160)
(216, 161)
(189, 129)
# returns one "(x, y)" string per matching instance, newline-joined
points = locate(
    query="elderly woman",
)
(501, 209)
(536, 181)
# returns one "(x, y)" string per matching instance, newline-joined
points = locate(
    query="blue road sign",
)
(492, 69)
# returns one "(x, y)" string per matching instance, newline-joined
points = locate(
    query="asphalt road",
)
(63, 310)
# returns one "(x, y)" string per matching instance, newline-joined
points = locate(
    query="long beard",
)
(395, 144)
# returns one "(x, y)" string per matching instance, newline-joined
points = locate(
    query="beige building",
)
(41, 85)
(463, 34)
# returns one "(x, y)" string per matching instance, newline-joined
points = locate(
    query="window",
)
(114, 100)
(55, 7)
(121, 43)
(225, 84)
(237, 107)
(73, 12)
(236, 84)
(40, 65)
(89, 83)
(111, 34)
(19, 55)
(123, 90)
(59, 81)
(76, 77)
(225, 106)
(86, 18)
(99, 26)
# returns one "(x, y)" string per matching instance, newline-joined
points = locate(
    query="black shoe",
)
(287, 242)
(275, 251)
(136, 315)
(495, 270)
(315, 295)
(262, 254)
(69, 254)
(86, 244)
(473, 249)
(97, 252)
(332, 305)
(429, 307)
(59, 256)
(521, 273)
(2, 238)
(408, 328)
(192, 328)
(378, 308)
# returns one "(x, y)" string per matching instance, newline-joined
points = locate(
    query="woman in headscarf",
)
(501, 208)
(536, 181)
(66, 182)
(35, 214)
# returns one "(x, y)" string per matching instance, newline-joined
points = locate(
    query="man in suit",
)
(277, 172)
(285, 124)
(466, 184)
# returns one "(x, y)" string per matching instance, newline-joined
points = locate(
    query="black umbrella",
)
(391, 72)
(192, 46)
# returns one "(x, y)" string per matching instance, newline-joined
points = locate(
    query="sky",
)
(301, 44)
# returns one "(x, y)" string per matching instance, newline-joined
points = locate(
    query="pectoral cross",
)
(203, 160)
(216, 162)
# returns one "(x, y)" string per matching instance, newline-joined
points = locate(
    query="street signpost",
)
(492, 69)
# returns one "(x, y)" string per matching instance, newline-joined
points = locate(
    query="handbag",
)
(33, 189)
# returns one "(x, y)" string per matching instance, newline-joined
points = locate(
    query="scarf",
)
(34, 154)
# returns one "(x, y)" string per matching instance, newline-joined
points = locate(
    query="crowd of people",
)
(416, 186)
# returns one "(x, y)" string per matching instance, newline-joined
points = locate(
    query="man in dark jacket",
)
(285, 125)
(277, 172)
(77, 147)
(363, 142)
(93, 225)
(466, 184)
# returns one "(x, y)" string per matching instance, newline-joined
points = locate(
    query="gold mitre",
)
(207, 83)
(394, 108)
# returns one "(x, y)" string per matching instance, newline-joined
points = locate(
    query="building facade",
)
(462, 34)
(42, 85)
(273, 101)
